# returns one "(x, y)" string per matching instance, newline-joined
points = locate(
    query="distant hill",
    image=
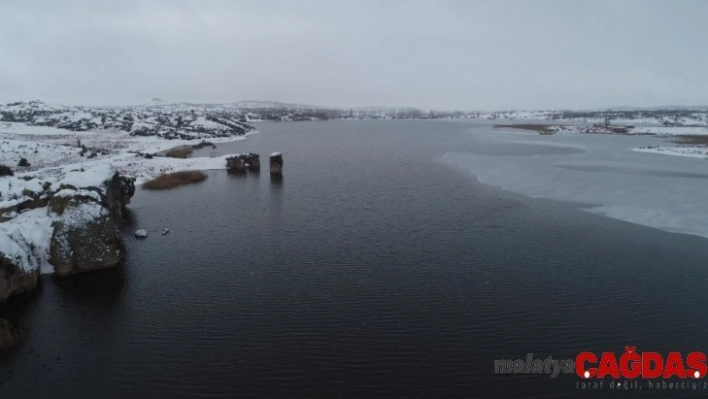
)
(157, 102)
(242, 105)
(169, 119)
(251, 104)
(157, 118)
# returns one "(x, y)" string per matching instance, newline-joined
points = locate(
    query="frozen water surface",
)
(602, 171)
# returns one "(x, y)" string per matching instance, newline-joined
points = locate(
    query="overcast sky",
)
(525, 54)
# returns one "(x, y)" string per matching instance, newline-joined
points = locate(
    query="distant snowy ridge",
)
(238, 105)
(92, 117)
(156, 102)
(168, 123)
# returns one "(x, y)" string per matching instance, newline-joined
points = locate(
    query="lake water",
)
(373, 269)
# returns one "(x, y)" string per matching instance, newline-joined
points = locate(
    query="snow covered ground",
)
(640, 130)
(669, 130)
(48, 149)
(57, 159)
(669, 117)
(606, 172)
(25, 240)
(683, 151)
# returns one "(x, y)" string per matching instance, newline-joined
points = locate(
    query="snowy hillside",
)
(251, 105)
(158, 118)
(673, 117)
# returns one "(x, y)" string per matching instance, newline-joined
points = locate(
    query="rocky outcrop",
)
(9, 336)
(14, 279)
(85, 238)
(241, 162)
(253, 161)
(27, 200)
(276, 163)
(236, 164)
(20, 257)
(119, 191)
(72, 229)
(85, 234)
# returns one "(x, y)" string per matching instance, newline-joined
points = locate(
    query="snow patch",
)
(26, 239)
(687, 151)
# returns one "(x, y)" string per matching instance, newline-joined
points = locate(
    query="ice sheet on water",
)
(655, 190)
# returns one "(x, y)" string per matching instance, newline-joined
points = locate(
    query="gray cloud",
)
(442, 54)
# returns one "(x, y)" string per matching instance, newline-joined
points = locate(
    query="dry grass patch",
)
(172, 180)
(203, 144)
(691, 139)
(536, 127)
(179, 152)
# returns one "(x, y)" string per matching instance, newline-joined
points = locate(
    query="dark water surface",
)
(372, 270)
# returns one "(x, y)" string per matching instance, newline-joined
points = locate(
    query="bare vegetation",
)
(179, 152)
(690, 139)
(203, 144)
(6, 171)
(172, 180)
(536, 127)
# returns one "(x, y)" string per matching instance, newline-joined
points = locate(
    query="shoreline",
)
(685, 149)
(594, 208)
(612, 175)
(54, 150)
(696, 152)
(60, 214)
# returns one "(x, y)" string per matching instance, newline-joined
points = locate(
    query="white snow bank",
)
(80, 215)
(671, 130)
(207, 124)
(87, 175)
(687, 151)
(12, 202)
(275, 154)
(26, 238)
(67, 192)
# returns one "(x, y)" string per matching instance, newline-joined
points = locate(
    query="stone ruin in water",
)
(240, 163)
(252, 162)
(276, 163)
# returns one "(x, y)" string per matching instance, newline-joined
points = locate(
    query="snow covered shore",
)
(52, 210)
(64, 222)
(49, 149)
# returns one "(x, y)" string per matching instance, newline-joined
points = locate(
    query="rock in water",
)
(254, 162)
(276, 163)
(85, 238)
(119, 191)
(236, 164)
(77, 231)
(165, 231)
(14, 278)
(241, 162)
(141, 233)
